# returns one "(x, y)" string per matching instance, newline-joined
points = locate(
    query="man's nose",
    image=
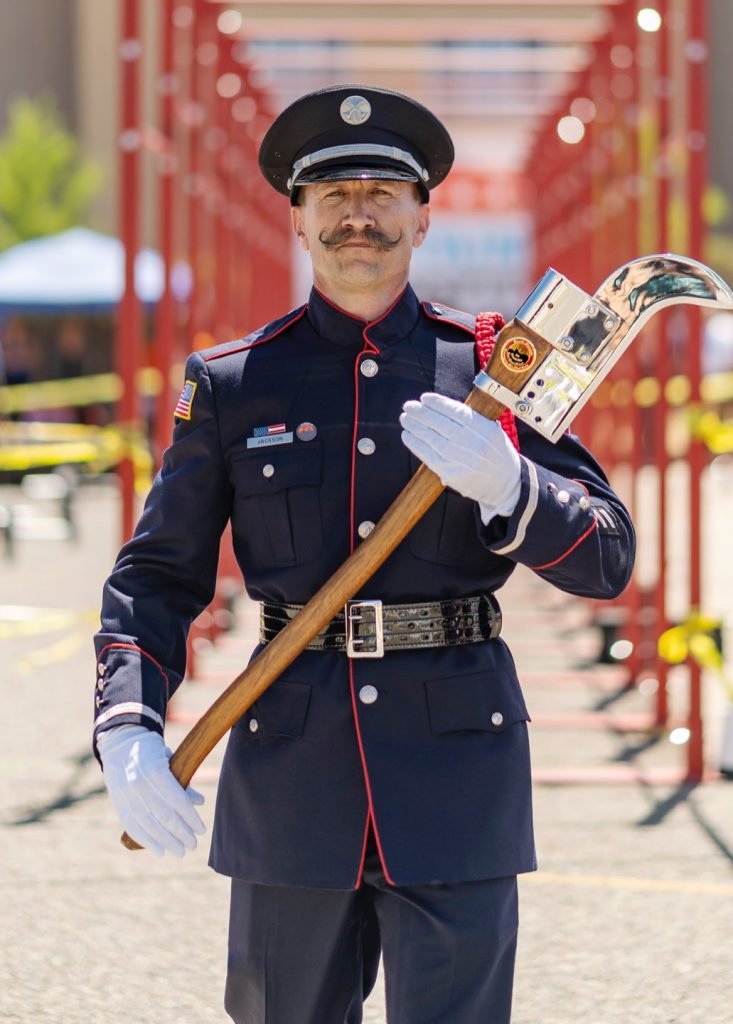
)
(358, 214)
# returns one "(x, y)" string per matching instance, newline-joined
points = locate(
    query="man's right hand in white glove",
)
(153, 807)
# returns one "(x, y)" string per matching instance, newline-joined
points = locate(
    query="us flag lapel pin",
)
(275, 433)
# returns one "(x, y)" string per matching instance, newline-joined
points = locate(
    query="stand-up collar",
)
(337, 325)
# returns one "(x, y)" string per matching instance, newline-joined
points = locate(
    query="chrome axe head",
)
(564, 341)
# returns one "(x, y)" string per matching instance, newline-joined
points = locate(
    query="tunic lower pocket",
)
(280, 712)
(480, 701)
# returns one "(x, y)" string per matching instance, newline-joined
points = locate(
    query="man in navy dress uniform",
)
(366, 802)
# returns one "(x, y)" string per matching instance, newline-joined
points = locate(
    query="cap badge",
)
(355, 110)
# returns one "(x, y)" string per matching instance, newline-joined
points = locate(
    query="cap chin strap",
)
(365, 149)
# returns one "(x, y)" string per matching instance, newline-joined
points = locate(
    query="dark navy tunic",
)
(443, 777)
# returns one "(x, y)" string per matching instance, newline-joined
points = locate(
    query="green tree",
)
(45, 185)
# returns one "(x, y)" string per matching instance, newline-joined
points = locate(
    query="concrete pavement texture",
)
(628, 919)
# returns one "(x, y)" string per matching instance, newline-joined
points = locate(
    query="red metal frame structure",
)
(129, 320)
(696, 146)
(235, 239)
(634, 185)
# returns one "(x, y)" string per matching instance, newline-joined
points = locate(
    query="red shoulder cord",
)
(488, 326)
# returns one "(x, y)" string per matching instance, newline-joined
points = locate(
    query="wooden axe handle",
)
(409, 506)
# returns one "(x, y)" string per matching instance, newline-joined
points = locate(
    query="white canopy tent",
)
(79, 270)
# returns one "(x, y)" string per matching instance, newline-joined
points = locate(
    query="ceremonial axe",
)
(544, 367)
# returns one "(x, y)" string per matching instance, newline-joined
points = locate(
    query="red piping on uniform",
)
(369, 818)
(369, 349)
(132, 647)
(549, 565)
(338, 309)
(368, 323)
(373, 323)
(444, 319)
(370, 815)
(252, 344)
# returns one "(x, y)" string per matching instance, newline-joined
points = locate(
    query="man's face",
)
(360, 233)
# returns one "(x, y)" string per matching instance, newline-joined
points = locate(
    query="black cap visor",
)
(317, 175)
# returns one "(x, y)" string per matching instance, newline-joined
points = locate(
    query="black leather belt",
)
(366, 629)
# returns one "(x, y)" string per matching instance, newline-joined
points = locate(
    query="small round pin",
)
(306, 431)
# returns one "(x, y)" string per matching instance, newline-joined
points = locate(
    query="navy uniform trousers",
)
(310, 956)
(291, 437)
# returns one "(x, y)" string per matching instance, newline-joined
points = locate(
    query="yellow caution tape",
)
(56, 394)
(32, 445)
(23, 620)
(106, 388)
(75, 391)
(693, 638)
(30, 621)
(58, 651)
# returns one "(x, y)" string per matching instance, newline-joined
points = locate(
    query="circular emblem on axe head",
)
(518, 354)
(355, 110)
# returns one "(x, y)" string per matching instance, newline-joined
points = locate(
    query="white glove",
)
(469, 453)
(153, 807)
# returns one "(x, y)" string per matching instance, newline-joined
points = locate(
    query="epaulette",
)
(258, 337)
(448, 315)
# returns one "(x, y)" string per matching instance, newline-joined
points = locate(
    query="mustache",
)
(373, 236)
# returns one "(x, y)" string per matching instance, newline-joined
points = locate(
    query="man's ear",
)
(296, 217)
(423, 223)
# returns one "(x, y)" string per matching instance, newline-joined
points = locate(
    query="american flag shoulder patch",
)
(183, 406)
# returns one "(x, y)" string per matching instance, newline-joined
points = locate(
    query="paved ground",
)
(628, 919)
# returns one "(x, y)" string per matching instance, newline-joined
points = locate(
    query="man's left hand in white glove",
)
(153, 807)
(469, 453)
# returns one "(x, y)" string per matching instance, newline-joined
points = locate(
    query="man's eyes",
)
(339, 193)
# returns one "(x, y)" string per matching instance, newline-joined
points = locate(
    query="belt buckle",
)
(359, 614)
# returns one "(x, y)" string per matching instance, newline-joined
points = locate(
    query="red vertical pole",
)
(222, 226)
(128, 327)
(663, 372)
(165, 319)
(696, 178)
(193, 179)
(647, 142)
(627, 172)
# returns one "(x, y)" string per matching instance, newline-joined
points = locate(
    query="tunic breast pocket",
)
(277, 510)
(447, 534)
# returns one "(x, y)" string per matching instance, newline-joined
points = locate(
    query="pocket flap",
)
(277, 468)
(481, 701)
(280, 711)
